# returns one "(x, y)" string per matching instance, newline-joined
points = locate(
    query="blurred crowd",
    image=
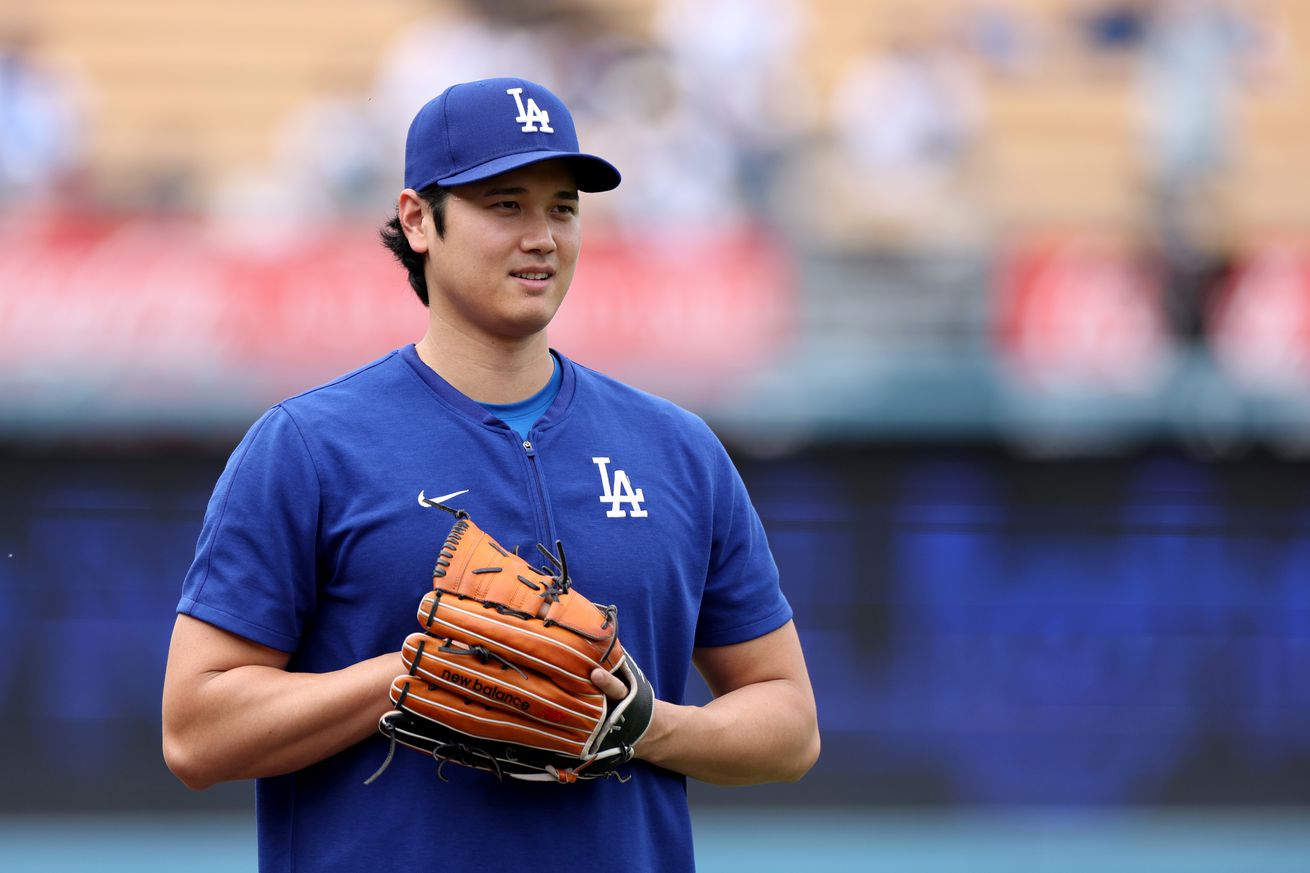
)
(723, 110)
(699, 112)
(43, 114)
(718, 115)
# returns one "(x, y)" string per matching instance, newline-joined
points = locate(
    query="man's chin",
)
(532, 319)
(525, 327)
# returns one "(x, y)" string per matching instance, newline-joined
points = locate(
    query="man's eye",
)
(507, 204)
(568, 210)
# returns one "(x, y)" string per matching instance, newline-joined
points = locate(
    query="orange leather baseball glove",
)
(499, 676)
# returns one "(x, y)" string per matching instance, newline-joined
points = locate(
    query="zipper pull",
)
(527, 447)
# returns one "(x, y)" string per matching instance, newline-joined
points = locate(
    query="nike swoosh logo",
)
(428, 501)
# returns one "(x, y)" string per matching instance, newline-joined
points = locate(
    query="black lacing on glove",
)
(482, 653)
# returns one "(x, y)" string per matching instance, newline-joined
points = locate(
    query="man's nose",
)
(537, 236)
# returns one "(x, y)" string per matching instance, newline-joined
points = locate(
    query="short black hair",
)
(393, 237)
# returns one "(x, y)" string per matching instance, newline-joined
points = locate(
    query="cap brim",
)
(590, 172)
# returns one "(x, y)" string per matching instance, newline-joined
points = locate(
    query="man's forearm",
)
(262, 721)
(255, 720)
(765, 732)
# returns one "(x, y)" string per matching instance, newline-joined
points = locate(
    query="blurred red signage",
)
(153, 313)
(1260, 323)
(1080, 313)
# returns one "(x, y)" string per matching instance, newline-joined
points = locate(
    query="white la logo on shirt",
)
(620, 491)
(531, 115)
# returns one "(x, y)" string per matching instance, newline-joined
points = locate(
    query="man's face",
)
(507, 257)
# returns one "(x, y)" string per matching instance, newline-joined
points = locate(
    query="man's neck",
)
(489, 371)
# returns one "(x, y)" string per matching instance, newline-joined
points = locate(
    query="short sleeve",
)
(743, 599)
(254, 572)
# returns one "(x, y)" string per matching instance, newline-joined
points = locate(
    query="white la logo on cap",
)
(532, 115)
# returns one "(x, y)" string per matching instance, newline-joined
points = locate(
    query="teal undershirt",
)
(521, 416)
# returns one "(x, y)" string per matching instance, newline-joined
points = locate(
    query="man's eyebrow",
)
(516, 192)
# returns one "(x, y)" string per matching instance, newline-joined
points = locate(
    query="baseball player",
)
(314, 549)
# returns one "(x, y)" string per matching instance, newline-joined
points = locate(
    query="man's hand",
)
(609, 683)
(760, 727)
(615, 690)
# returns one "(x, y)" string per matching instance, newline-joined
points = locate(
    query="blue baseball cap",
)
(481, 129)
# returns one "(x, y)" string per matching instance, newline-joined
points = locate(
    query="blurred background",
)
(1002, 306)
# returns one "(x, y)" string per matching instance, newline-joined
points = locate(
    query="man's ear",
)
(414, 217)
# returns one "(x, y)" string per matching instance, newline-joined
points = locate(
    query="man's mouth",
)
(533, 276)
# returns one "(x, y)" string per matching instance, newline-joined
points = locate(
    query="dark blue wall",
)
(980, 629)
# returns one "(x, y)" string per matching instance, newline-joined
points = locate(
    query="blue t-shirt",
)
(314, 543)
(522, 415)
